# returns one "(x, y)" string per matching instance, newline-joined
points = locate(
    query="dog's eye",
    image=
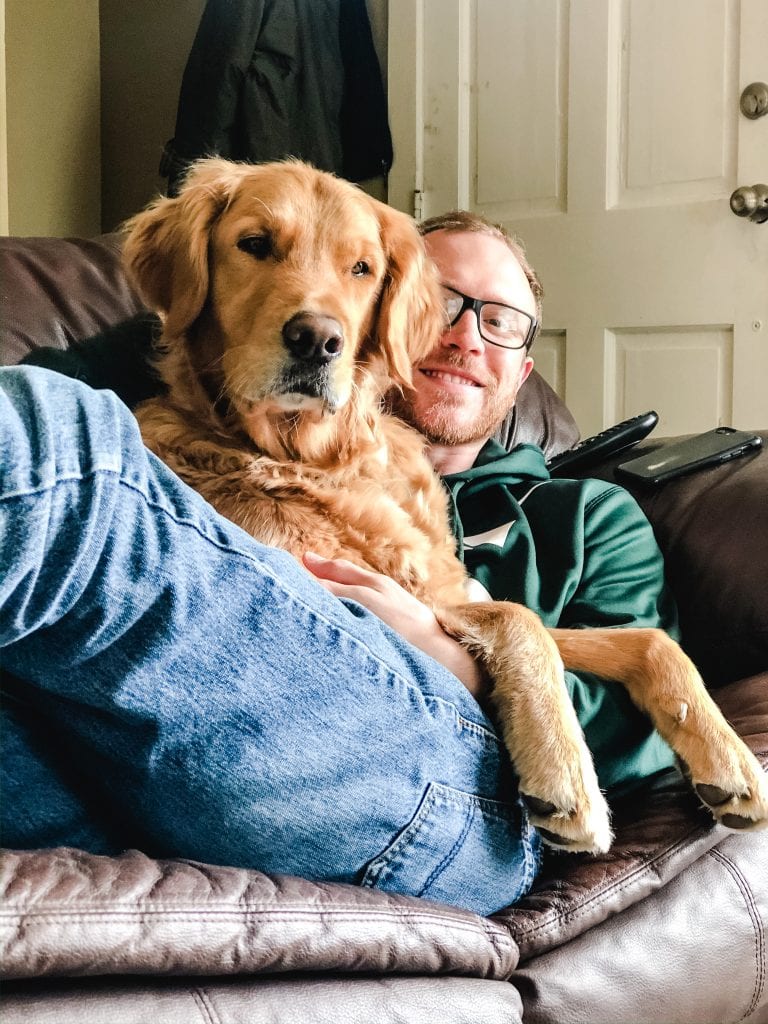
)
(259, 246)
(360, 269)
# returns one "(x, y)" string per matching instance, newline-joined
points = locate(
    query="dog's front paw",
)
(739, 798)
(723, 771)
(578, 822)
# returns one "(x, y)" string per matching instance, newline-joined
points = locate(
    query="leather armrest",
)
(712, 527)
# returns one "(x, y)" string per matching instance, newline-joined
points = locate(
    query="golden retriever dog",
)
(291, 304)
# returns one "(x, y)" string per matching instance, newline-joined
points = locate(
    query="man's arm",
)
(622, 584)
(401, 611)
(622, 580)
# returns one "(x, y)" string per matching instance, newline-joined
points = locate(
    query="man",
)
(579, 553)
(173, 685)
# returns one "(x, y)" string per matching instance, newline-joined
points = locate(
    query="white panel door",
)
(607, 134)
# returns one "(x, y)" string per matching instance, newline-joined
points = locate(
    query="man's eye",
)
(501, 322)
(259, 246)
(360, 269)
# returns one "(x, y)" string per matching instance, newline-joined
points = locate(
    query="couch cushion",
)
(713, 529)
(56, 290)
(248, 1000)
(65, 912)
(692, 952)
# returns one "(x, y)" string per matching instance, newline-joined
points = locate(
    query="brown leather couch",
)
(670, 926)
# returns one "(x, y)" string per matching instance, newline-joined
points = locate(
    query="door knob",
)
(754, 100)
(751, 202)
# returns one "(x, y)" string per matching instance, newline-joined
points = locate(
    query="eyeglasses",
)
(498, 324)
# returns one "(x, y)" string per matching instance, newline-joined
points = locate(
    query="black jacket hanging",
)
(268, 79)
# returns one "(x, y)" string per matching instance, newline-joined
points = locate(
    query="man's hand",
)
(402, 612)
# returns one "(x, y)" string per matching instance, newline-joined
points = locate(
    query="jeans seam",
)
(502, 810)
(66, 478)
(470, 805)
(451, 855)
(532, 853)
(388, 856)
(466, 724)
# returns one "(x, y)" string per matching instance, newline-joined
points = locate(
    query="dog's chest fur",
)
(384, 509)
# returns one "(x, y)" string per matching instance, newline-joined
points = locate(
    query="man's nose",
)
(465, 333)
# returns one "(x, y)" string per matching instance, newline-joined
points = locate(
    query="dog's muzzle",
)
(314, 343)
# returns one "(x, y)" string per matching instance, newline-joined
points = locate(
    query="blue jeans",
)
(173, 685)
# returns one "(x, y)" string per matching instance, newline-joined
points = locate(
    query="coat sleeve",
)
(212, 82)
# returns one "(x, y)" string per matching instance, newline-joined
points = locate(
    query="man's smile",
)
(451, 377)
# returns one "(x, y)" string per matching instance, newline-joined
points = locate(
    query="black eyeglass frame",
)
(476, 305)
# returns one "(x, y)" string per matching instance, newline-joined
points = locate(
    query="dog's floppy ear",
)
(410, 317)
(166, 250)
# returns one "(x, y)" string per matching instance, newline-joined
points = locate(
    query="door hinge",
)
(418, 204)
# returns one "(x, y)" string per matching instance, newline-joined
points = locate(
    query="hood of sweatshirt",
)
(495, 469)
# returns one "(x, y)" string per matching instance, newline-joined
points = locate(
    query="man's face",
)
(466, 386)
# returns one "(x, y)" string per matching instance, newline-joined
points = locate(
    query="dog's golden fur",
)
(290, 442)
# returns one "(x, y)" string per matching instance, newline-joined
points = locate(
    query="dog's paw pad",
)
(558, 842)
(740, 802)
(738, 811)
(737, 821)
(713, 796)
(541, 808)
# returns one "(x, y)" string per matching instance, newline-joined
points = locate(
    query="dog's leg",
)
(663, 682)
(537, 722)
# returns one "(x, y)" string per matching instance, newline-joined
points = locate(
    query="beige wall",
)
(144, 47)
(52, 116)
(3, 130)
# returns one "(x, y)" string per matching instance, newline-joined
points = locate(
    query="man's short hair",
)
(463, 220)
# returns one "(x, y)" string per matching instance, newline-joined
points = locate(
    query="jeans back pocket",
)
(462, 849)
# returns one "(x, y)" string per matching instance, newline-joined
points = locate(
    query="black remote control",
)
(608, 442)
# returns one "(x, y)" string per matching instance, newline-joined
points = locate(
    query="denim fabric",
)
(171, 684)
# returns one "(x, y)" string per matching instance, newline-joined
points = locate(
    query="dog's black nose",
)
(313, 338)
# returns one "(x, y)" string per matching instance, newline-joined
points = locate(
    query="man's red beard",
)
(442, 422)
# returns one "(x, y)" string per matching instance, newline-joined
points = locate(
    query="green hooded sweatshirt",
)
(580, 553)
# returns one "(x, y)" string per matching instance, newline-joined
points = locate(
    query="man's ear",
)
(166, 250)
(410, 317)
(525, 371)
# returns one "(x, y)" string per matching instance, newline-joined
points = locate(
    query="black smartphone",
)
(673, 460)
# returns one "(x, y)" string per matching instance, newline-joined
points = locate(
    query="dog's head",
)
(284, 285)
